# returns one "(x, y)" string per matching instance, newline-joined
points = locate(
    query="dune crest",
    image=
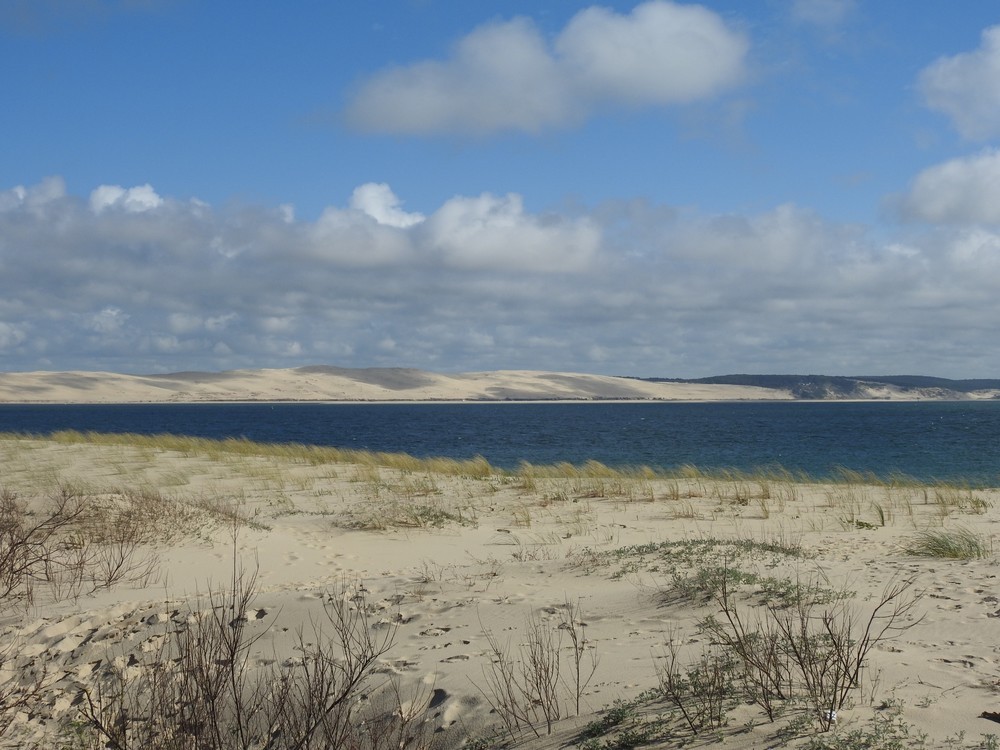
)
(325, 383)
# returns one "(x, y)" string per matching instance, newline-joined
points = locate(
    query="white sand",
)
(523, 552)
(339, 384)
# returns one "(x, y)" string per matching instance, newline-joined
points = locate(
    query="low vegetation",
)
(771, 639)
(959, 543)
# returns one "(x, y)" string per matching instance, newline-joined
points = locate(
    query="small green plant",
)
(620, 712)
(703, 691)
(885, 731)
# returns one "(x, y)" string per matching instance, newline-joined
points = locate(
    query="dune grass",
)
(758, 481)
(958, 543)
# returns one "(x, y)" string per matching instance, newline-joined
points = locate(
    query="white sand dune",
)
(323, 383)
(442, 558)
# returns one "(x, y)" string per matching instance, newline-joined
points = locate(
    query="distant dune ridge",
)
(327, 383)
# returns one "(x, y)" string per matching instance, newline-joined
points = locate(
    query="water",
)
(944, 440)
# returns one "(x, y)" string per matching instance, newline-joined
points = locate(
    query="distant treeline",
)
(826, 386)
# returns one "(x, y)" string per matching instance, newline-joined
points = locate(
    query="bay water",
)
(953, 441)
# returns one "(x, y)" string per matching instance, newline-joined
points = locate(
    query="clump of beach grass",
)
(957, 543)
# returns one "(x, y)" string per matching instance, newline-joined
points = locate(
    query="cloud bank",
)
(507, 76)
(129, 280)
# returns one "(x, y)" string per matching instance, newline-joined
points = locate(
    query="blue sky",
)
(656, 189)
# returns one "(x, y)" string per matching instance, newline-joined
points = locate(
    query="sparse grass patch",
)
(697, 569)
(406, 515)
(960, 499)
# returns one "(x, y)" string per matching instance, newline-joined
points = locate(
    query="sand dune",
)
(322, 383)
(446, 557)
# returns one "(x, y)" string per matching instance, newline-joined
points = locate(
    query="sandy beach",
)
(457, 570)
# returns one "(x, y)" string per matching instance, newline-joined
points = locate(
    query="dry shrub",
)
(818, 652)
(201, 689)
(527, 686)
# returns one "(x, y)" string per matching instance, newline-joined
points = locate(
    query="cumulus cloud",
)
(490, 232)
(131, 200)
(483, 282)
(355, 238)
(378, 201)
(661, 53)
(958, 191)
(506, 76)
(966, 88)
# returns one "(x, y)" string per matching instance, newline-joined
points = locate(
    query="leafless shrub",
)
(759, 647)
(36, 549)
(580, 674)
(830, 649)
(527, 686)
(202, 691)
(505, 691)
(801, 650)
(40, 548)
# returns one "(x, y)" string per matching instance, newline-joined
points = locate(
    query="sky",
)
(658, 189)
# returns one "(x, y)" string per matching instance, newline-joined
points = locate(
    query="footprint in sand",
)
(967, 663)
(431, 632)
(456, 657)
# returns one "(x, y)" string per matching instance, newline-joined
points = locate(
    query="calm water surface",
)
(946, 440)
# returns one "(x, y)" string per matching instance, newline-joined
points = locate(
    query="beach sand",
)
(455, 561)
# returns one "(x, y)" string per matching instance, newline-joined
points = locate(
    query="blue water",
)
(944, 440)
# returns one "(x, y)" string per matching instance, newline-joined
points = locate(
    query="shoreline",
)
(454, 401)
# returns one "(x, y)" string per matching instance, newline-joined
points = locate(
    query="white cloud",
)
(966, 87)
(661, 53)
(505, 76)
(500, 77)
(490, 232)
(12, 198)
(957, 191)
(132, 200)
(378, 201)
(352, 237)
(35, 198)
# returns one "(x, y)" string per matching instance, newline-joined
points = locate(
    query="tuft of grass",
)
(404, 515)
(958, 543)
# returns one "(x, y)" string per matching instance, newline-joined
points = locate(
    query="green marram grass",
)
(957, 543)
